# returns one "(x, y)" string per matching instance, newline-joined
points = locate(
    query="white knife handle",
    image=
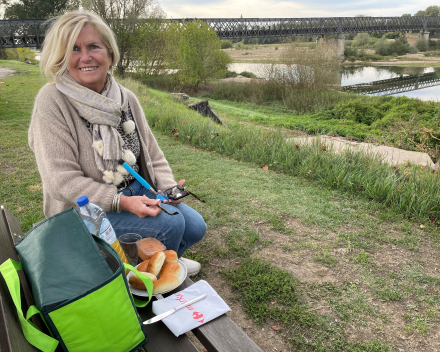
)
(190, 302)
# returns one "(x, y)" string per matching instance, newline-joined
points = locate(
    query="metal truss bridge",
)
(395, 85)
(30, 33)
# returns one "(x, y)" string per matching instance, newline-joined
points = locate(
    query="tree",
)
(195, 50)
(37, 9)
(150, 46)
(406, 15)
(431, 11)
(124, 17)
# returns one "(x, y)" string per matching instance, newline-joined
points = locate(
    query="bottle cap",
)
(82, 201)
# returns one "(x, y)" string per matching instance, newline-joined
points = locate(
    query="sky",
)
(290, 9)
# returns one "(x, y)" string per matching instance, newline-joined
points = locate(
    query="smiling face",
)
(90, 59)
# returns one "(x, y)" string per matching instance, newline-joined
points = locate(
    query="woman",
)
(83, 122)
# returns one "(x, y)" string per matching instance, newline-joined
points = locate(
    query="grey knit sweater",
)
(65, 157)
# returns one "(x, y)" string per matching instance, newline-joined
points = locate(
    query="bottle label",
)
(107, 233)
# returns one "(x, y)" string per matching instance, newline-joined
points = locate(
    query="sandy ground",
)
(238, 78)
(273, 52)
(5, 72)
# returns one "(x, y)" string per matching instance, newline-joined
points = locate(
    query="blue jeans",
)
(177, 232)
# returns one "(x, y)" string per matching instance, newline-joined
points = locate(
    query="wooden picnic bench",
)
(218, 335)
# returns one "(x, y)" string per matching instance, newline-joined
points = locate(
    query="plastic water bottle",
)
(98, 224)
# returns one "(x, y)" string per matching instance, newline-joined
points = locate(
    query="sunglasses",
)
(177, 193)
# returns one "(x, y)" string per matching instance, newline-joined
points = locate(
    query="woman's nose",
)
(85, 56)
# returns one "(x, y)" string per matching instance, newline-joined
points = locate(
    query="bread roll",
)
(143, 266)
(134, 280)
(156, 263)
(170, 269)
(165, 283)
(170, 256)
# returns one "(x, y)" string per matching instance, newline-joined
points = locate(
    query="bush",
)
(241, 46)
(422, 44)
(226, 44)
(382, 48)
(350, 52)
(413, 50)
(386, 48)
(229, 74)
(435, 53)
(362, 39)
(399, 47)
(20, 54)
(248, 74)
(357, 111)
(432, 43)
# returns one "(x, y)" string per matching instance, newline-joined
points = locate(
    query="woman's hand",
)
(172, 201)
(141, 206)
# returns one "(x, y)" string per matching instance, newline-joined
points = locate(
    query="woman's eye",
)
(75, 48)
(94, 47)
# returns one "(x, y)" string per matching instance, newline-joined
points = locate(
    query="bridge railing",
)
(395, 85)
(21, 33)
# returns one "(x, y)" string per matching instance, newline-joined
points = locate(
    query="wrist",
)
(123, 202)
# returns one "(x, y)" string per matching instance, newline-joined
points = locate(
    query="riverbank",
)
(268, 53)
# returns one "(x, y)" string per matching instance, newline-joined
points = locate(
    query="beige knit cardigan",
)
(65, 158)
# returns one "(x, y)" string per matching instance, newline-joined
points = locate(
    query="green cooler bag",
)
(79, 286)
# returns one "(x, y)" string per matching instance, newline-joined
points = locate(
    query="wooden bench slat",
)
(14, 232)
(11, 334)
(5, 344)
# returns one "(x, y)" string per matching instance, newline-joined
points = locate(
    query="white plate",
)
(144, 293)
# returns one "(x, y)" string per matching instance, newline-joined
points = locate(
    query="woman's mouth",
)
(88, 68)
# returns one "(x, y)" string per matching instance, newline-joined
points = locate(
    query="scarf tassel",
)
(128, 127)
(98, 146)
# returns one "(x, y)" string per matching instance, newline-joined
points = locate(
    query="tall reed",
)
(304, 80)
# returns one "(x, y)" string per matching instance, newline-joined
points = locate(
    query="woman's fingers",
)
(151, 206)
(140, 206)
(172, 201)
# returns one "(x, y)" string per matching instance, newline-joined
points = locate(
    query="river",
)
(414, 82)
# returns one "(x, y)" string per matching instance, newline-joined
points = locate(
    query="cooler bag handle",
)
(32, 334)
(147, 282)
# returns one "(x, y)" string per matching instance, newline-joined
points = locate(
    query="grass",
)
(21, 187)
(319, 262)
(412, 192)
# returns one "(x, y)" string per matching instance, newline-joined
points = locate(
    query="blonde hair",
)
(61, 37)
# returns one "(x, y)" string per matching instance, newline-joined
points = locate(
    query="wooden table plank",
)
(221, 334)
(161, 339)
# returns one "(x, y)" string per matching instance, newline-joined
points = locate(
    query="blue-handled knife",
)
(171, 311)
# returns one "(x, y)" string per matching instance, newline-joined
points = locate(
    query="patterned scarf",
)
(103, 111)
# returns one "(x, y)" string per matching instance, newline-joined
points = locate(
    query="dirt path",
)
(6, 72)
